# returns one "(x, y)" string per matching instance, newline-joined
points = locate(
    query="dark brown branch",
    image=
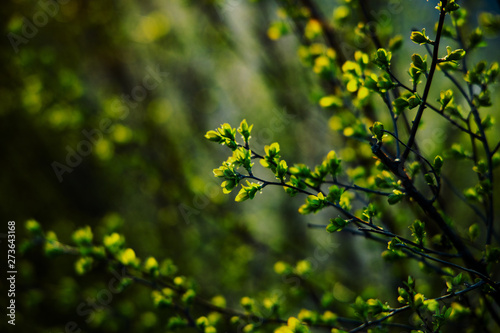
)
(396, 168)
(427, 88)
(407, 307)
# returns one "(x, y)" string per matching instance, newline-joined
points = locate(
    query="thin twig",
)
(462, 197)
(405, 240)
(495, 150)
(447, 263)
(489, 156)
(435, 109)
(357, 188)
(438, 178)
(394, 123)
(427, 88)
(407, 307)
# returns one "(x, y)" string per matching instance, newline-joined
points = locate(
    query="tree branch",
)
(407, 307)
(427, 88)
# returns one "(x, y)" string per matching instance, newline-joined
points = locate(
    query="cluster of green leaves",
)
(294, 179)
(360, 83)
(298, 178)
(179, 295)
(170, 291)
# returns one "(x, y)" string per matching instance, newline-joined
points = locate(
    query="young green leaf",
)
(175, 323)
(313, 204)
(429, 179)
(404, 296)
(483, 99)
(83, 265)
(395, 197)
(419, 62)
(420, 37)
(332, 163)
(400, 104)
(395, 43)
(487, 122)
(334, 193)
(382, 58)
(214, 136)
(245, 130)
(378, 130)
(272, 156)
(385, 83)
(83, 236)
(392, 245)
(330, 101)
(414, 101)
(336, 224)
(248, 192)
(418, 231)
(454, 55)
(438, 164)
(414, 73)
(281, 170)
(445, 98)
(476, 39)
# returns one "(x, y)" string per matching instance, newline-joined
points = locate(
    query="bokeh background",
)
(147, 79)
